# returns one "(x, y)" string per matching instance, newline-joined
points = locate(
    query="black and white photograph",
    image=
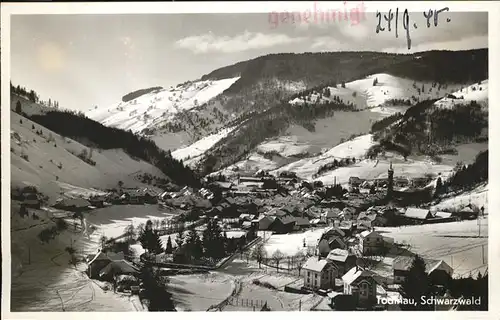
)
(322, 156)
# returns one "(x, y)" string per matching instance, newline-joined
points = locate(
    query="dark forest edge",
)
(77, 126)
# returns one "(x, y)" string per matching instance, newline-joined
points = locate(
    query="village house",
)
(74, 205)
(369, 220)
(438, 270)
(467, 213)
(347, 227)
(301, 223)
(101, 260)
(418, 215)
(319, 274)
(264, 222)
(331, 239)
(371, 242)
(325, 245)
(347, 213)
(331, 215)
(355, 182)
(117, 268)
(150, 196)
(31, 200)
(284, 224)
(245, 217)
(342, 260)
(361, 284)
(97, 201)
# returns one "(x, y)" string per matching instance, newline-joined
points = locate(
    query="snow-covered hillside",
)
(155, 108)
(366, 93)
(476, 92)
(306, 168)
(285, 146)
(477, 197)
(50, 162)
(193, 152)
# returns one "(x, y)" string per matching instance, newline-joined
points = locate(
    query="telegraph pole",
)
(482, 250)
(479, 226)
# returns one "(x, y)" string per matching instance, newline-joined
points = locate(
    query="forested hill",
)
(91, 133)
(316, 69)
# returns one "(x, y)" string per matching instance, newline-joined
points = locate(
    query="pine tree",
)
(19, 108)
(343, 84)
(439, 187)
(375, 81)
(155, 243)
(416, 285)
(180, 236)
(169, 249)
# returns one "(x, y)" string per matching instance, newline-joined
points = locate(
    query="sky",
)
(88, 60)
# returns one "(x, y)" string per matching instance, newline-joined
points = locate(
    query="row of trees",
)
(32, 96)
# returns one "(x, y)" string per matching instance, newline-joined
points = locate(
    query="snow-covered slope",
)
(155, 108)
(366, 93)
(476, 92)
(49, 161)
(477, 197)
(285, 146)
(190, 154)
(306, 168)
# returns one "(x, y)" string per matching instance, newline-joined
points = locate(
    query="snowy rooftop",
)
(314, 264)
(339, 255)
(354, 274)
(417, 213)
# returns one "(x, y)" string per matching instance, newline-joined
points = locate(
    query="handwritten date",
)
(390, 21)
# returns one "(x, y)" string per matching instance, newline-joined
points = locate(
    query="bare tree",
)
(299, 260)
(130, 233)
(259, 253)
(277, 257)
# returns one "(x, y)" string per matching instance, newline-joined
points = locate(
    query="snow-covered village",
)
(317, 181)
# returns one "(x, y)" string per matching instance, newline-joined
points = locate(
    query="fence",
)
(250, 303)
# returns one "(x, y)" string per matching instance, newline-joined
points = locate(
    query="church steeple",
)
(390, 176)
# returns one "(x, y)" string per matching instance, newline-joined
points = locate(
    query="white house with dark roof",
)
(361, 284)
(319, 274)
(371, 242)
(342, 260)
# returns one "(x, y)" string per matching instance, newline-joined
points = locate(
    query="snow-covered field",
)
(457, 243)
(377, 169)
(190, 154)
(291, 244)
(197, 292)
(112, 221)
(364, 94)
(306, 168)
(286, 146)
(476, 92)
(53, 166)
(155, 107)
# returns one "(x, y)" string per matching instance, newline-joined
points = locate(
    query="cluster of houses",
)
(338, 270)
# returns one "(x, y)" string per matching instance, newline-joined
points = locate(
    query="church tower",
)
(390, 182)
